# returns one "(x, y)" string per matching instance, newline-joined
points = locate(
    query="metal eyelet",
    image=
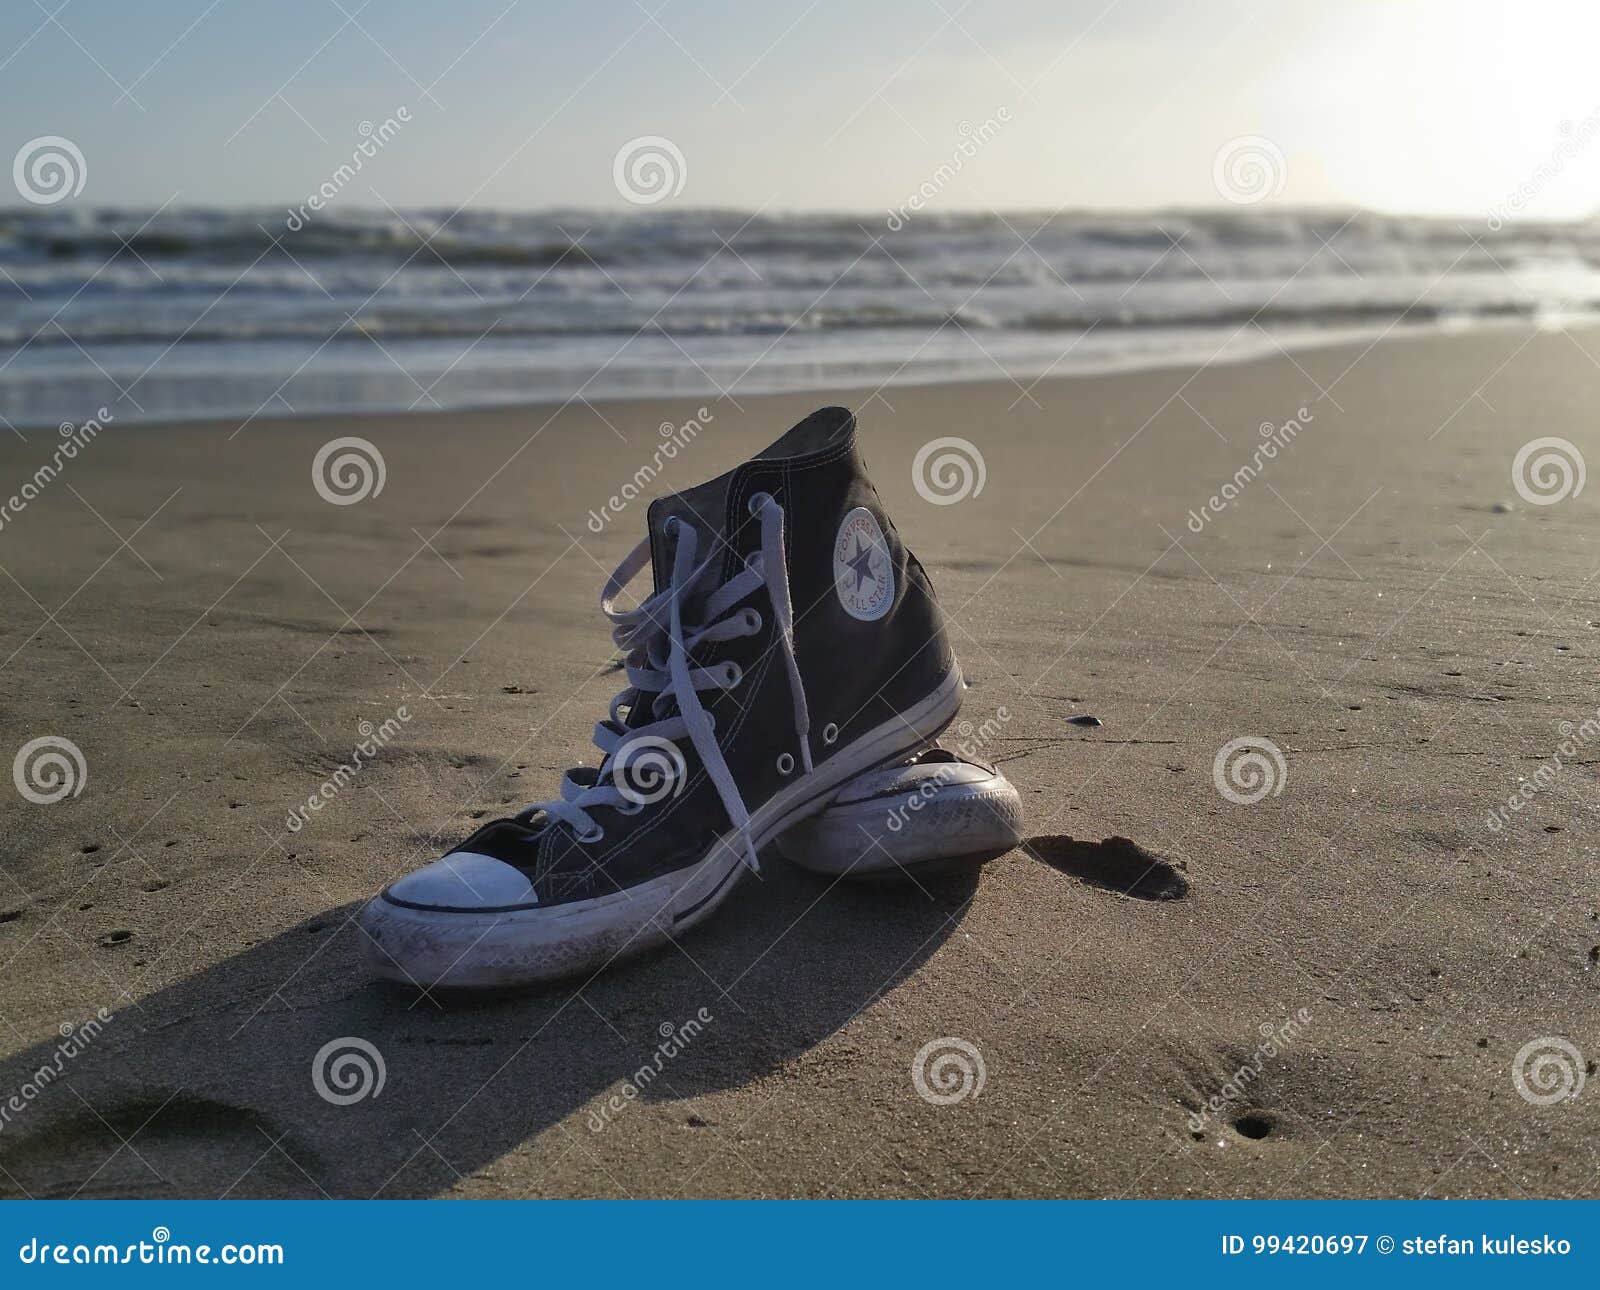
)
(830, 733)
(732, 674)
(632, 808)
(756, 501)
(785, 763)
(596, 835)
(752, 620)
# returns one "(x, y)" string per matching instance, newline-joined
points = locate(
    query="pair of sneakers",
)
(787, 679)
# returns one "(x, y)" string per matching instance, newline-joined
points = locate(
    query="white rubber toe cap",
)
(464, 880)
(937, 807)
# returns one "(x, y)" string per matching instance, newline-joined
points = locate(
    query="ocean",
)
(241, 315)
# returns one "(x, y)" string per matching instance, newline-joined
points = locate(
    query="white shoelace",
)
(658, 646)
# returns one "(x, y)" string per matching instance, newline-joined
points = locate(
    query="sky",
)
(1424, 106)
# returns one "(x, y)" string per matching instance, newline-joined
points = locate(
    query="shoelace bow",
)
(661, 671)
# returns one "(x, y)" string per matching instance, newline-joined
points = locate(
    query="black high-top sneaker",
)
(791, 642)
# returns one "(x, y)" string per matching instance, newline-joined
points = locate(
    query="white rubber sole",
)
(948, 828)
(437, 949)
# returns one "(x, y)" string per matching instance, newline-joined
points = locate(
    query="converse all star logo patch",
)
(863, 573)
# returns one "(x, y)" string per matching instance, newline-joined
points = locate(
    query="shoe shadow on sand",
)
(205, 1087)
(1117, 864)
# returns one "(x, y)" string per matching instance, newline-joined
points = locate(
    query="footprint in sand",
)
(177, 1146)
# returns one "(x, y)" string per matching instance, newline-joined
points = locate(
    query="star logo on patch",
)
(861, 564)
(863, 572)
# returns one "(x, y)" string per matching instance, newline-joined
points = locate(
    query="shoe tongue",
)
(702, 508)
(705, 506)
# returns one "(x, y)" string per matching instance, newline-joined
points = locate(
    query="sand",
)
(1321, 993)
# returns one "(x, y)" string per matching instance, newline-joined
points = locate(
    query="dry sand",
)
(1411, 649)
